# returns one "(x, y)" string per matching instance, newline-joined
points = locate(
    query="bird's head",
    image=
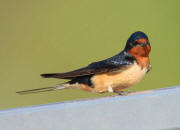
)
(138, 44)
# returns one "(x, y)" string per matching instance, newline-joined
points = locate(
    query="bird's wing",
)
(114, 63)
(71, 74)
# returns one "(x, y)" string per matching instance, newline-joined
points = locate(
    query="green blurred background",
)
(61, 35)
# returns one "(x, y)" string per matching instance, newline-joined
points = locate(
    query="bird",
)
(113, 74)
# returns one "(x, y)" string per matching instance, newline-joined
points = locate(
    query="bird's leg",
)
(122, 93)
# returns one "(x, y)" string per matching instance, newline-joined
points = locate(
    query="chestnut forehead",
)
(142, 40)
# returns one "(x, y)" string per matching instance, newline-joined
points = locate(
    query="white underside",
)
(125, 78)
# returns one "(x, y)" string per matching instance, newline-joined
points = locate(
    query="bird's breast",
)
(122, 78)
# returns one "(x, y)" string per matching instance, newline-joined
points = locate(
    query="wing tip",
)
(47, 75)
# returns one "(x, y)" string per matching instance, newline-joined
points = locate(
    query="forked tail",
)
(45, 89)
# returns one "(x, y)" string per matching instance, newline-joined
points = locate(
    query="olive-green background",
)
(61, 35)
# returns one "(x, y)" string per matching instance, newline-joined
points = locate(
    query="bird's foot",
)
(124, 93)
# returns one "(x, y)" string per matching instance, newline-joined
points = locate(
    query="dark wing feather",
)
(71, 74)
(116, 62)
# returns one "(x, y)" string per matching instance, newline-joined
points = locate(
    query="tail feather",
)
(53, 75)
(45, 89)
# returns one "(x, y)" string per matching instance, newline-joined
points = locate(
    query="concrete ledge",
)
(150, 110)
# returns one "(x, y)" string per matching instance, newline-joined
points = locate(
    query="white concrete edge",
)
(63, 105)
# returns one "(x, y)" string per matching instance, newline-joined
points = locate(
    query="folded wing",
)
(114, 63)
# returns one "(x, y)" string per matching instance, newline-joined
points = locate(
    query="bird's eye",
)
(135, 43)
(142, 41)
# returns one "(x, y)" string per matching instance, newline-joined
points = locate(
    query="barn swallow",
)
(110, 75)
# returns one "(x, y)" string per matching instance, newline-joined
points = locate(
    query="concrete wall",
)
(151, 110)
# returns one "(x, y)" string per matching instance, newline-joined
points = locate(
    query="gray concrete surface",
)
(150, 110)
